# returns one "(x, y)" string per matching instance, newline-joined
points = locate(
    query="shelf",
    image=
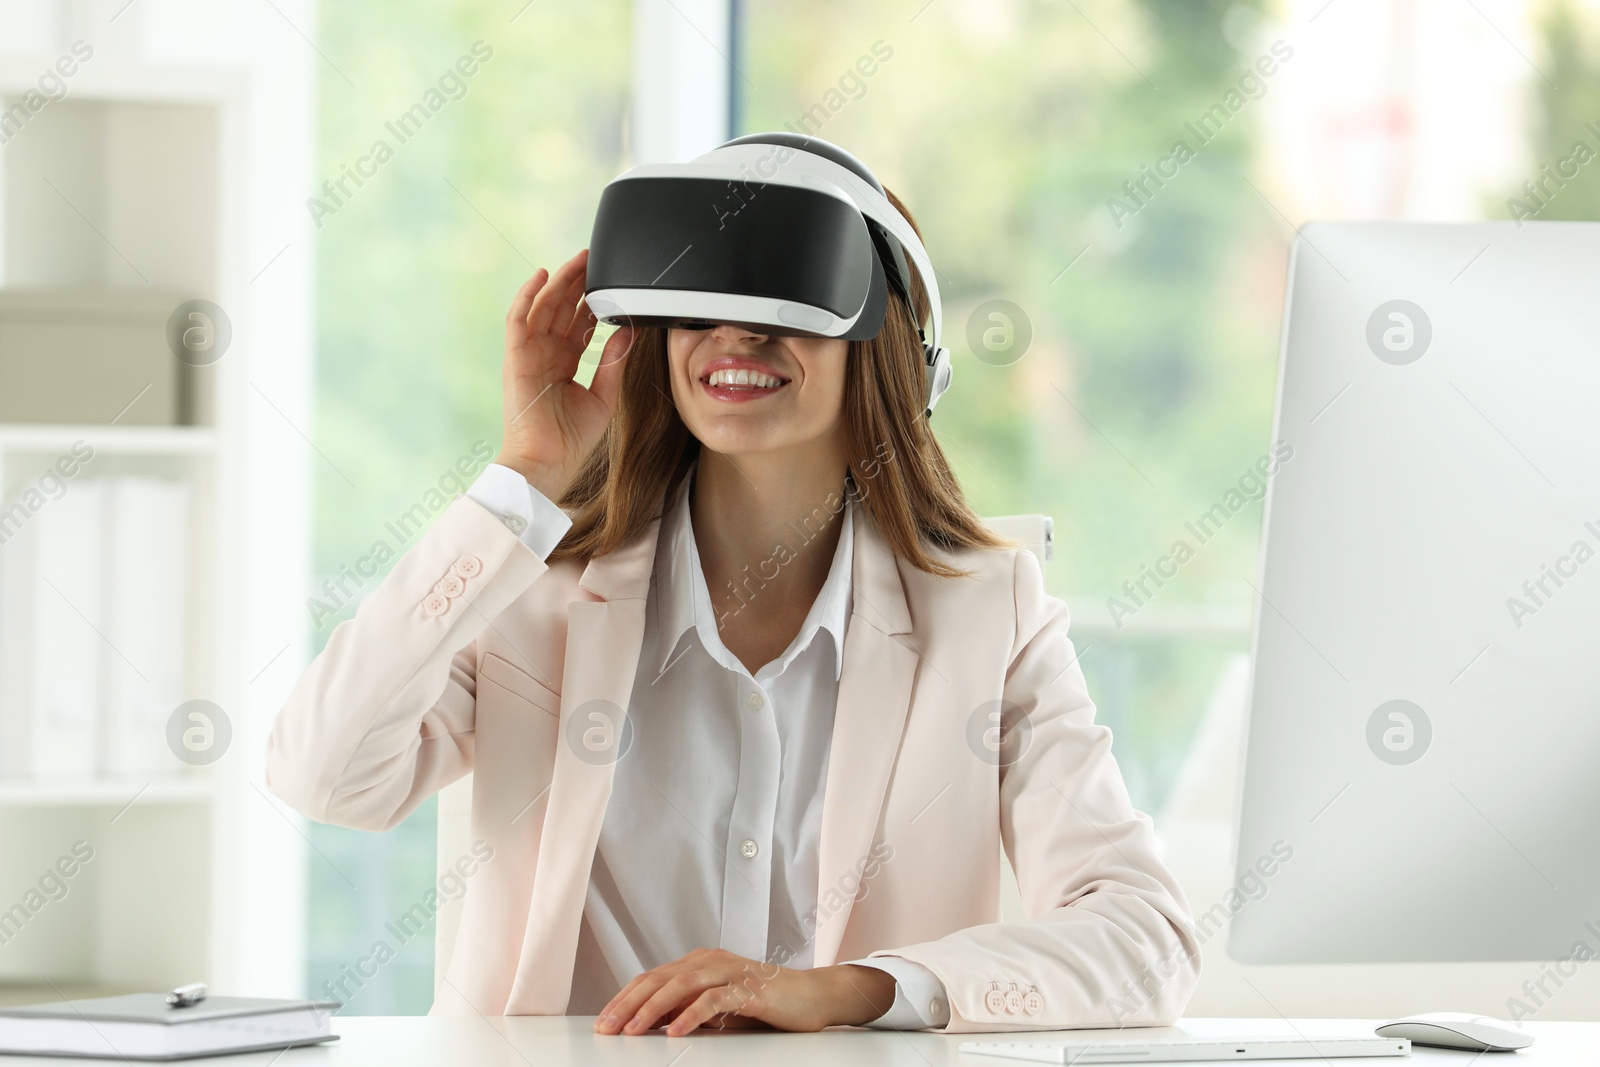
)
(108, 439)
(108, 78)
(23, 793)
(161, 162)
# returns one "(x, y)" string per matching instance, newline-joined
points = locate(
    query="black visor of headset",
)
(783, 233)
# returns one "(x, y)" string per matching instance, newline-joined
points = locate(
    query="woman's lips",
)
(736, 380)
(737, 393)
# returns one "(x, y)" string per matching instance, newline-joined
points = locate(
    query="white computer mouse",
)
(1459, 1029)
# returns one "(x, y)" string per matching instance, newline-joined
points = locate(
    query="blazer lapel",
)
(875, 685)
(603, 640)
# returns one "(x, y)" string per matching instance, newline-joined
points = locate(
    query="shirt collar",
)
(683, 601)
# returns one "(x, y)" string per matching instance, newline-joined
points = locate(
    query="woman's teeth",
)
(744, 377)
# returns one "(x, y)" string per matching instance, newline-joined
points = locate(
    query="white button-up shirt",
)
(710, 837)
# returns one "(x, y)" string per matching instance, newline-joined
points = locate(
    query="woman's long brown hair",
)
(902, 477)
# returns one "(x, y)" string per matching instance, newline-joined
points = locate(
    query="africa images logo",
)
(1399, 332)
(1399, 732)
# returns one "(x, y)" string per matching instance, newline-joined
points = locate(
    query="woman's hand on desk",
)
(716, 988)
(551, 422)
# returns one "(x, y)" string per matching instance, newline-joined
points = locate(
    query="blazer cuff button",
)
(436, 604)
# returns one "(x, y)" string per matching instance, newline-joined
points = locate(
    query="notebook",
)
(142, 1026)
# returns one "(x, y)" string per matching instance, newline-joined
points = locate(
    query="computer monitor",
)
(1422, 753)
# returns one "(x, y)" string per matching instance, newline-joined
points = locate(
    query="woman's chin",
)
(735, 445)
(734, 434)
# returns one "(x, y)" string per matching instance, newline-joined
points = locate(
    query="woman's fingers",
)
(607, 382)
(719, 1000)
(664, 995)
(674, 992)
(580, 327)
(517, 317)
(625, 1004)
(573, 298)
(613, 1006)
(554, 303)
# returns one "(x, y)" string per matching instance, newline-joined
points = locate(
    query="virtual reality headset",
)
(781, 232)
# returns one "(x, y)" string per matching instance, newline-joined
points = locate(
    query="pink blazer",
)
(420, 688)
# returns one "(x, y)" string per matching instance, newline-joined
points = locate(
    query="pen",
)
(186, 996)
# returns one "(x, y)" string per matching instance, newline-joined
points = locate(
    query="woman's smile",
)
(738, 379)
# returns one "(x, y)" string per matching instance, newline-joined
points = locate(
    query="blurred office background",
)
(1112, 301)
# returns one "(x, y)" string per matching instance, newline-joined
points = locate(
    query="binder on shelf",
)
(68, 572)
(16, 644)
(147, 623)
(94, 633)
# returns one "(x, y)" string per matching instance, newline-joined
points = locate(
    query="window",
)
(1114, 334)
(1108, 190)
(440, 192)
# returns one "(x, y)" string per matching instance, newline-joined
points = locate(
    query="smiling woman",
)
(713, 759)
(879, 383)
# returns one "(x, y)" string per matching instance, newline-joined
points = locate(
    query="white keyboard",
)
(1182, 1048)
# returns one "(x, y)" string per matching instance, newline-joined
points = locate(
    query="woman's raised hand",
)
(551, 422)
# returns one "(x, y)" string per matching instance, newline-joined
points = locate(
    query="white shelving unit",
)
(160, 177)
(55, 438)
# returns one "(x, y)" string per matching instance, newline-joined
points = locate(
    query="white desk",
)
(557, 1041)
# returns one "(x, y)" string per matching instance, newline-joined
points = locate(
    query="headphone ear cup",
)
(940, 374)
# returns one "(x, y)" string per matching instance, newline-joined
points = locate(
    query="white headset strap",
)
(740, 162)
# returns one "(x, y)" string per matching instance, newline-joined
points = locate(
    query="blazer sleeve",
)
(384, 716)
(1109, 940)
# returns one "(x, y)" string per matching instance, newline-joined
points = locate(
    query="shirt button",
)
(436, 604)
(514, 524)
(754, 700)
(468, 566)
(936, 1009)
(748, 849)
(450, 585)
